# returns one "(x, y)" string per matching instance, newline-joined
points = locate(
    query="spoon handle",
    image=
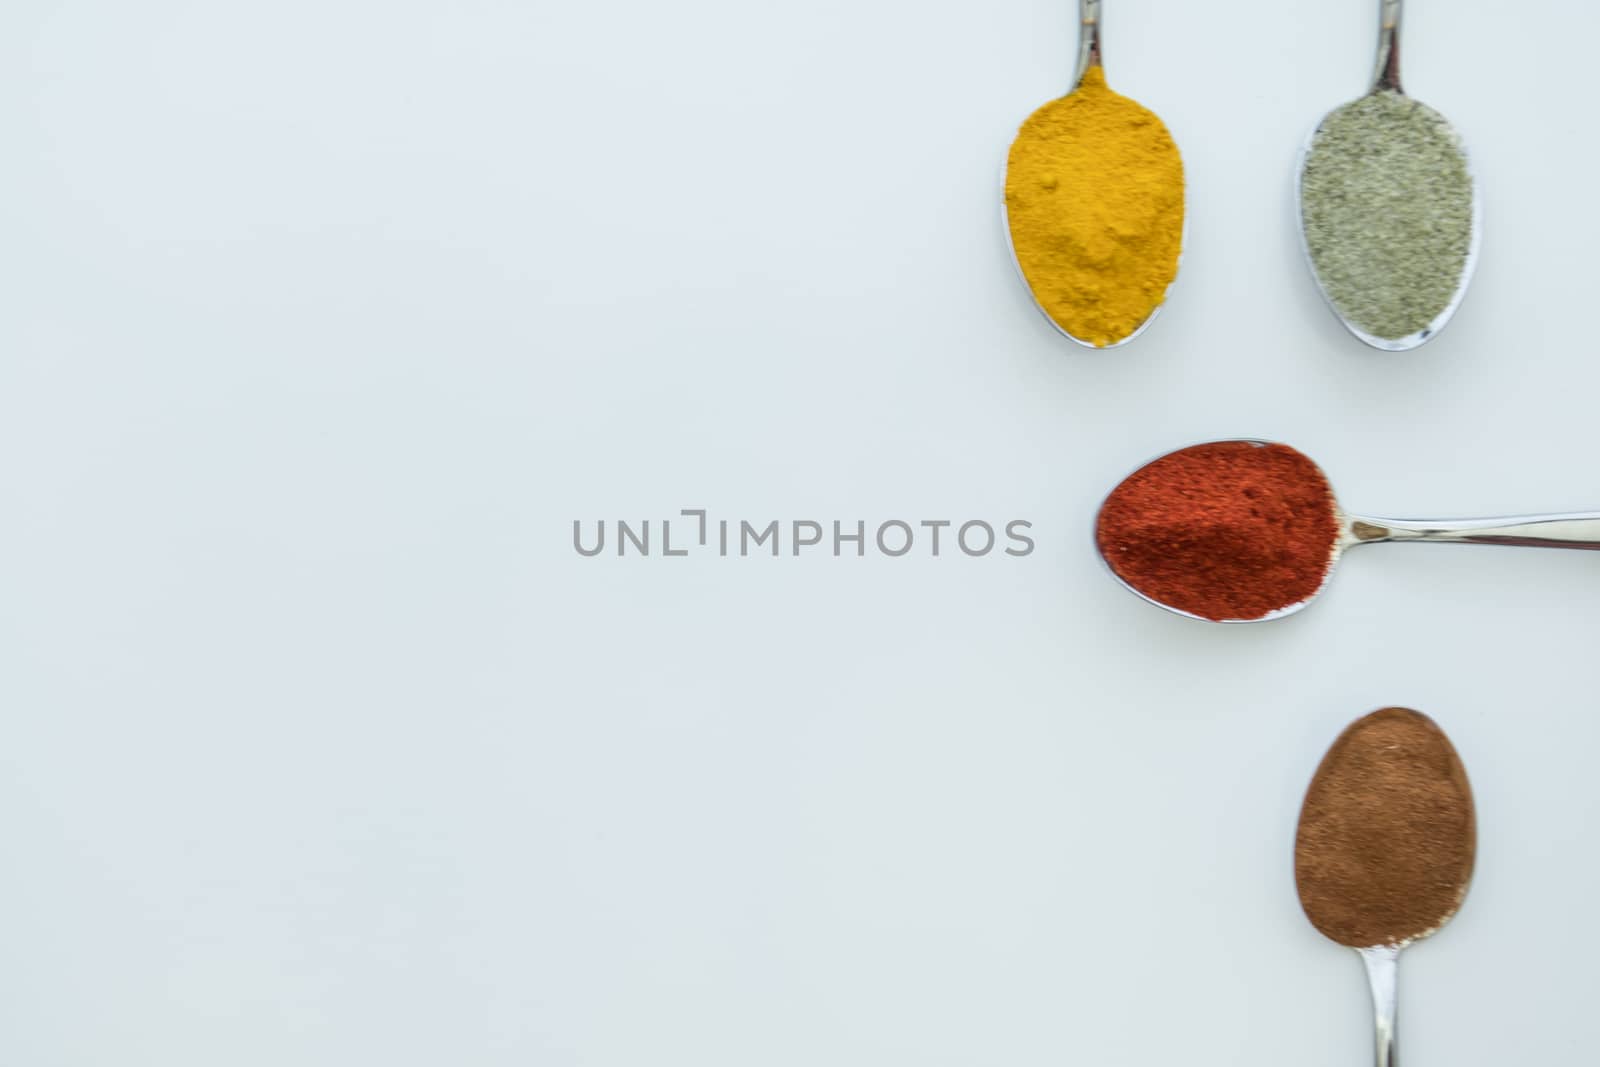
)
(1382, 963)
(1088, 38)
(1535, 531)
(1386, 75)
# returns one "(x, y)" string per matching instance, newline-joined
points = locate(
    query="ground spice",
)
(1094, 200)
(1386, 205)
(1388, 834)
(1227, 530)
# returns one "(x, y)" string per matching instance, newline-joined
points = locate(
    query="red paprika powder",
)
(1227, 530)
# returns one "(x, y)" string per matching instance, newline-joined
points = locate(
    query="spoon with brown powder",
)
(1386, 845)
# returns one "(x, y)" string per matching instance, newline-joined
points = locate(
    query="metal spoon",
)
(1568, 530)
(1088, 58)
(1386, 78)
(1451, 859)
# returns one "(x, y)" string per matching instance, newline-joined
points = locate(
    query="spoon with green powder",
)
(1389, 210)
(1094, 205)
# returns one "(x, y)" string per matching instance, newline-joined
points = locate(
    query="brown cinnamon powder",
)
(1387, 833)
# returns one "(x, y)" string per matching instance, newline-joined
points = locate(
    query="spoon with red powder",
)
(1247, 530)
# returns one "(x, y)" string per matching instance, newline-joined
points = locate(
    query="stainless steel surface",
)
(1386, 77)
(1579, 529)
(1386, 72)
(1382, 964)
(1088, 39)
(1576, 530)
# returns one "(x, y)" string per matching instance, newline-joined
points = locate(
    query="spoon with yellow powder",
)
(1094, 205)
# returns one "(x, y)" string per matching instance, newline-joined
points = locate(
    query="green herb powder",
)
(1386, 202)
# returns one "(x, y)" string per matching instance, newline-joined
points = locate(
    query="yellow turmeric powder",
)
(1094, 200)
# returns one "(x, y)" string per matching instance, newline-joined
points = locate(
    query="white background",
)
(321, 746)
